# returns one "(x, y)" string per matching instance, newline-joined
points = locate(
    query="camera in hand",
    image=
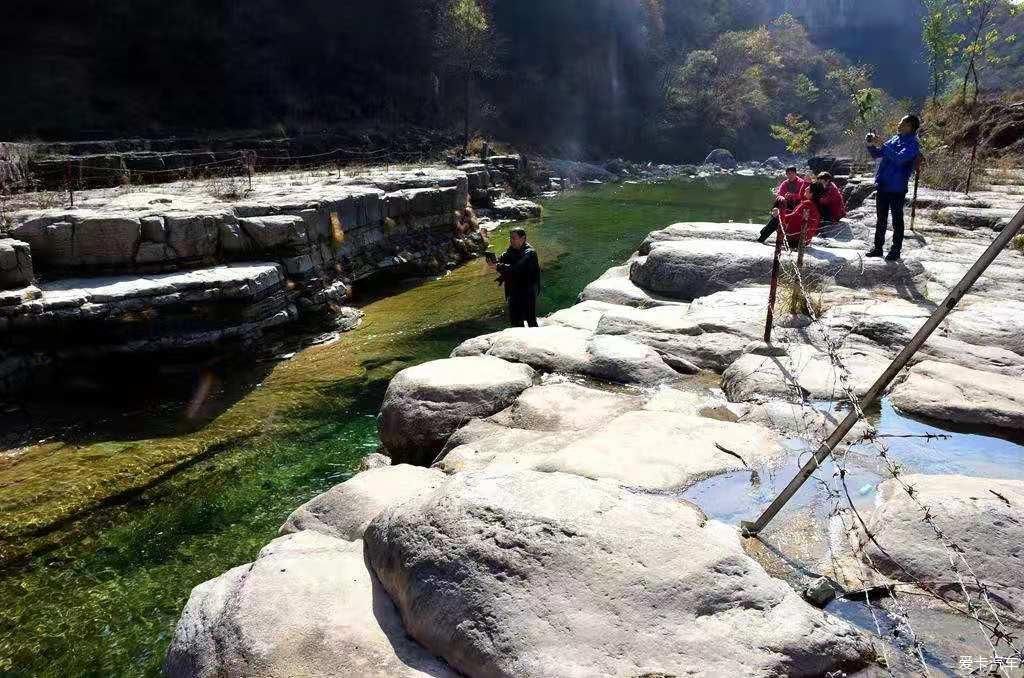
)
(491, 257)
(871, 136)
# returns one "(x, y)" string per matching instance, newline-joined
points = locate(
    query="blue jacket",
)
(899, 156)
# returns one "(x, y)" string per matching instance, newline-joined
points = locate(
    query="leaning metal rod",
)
(774, 289)
(751, 529)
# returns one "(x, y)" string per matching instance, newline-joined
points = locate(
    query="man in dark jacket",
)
(898, 158)
(519, 271)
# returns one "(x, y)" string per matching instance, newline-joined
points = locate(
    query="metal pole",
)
(774, 289)
(751, 529)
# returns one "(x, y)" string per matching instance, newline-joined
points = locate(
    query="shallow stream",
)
(126, 501)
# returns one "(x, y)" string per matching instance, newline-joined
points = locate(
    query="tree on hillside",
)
(796, 133)
(941, 41)
(983, 36)
(465, 48)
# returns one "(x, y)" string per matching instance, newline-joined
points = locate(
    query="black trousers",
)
(890, 203)
(771, 227)
(522, 309)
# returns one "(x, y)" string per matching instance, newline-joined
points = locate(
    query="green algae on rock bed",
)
(104, 602)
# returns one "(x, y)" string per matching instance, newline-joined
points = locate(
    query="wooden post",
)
(913, 203)
(794, 304)
(774, 288)
(751, 529)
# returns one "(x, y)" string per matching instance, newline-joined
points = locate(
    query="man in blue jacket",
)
(898, 159)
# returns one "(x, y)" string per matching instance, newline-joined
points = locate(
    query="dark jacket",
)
(899, 156)
(520, 271)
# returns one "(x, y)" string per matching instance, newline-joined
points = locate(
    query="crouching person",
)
(804, 218)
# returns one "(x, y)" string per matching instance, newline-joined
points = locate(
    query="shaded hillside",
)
(578, 76)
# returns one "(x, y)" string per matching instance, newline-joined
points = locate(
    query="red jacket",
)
(834, 203)
(791, 191)
(793, 222)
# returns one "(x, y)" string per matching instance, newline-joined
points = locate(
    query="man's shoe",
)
(874, 254)
(892, 256)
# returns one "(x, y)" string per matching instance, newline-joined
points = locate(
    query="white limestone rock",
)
(983, 516)
(615, 287)
(485, 568)
(951, 392)
(308, 606)
(16, 270)
(804, 372)
(346, 509)
(425, 404)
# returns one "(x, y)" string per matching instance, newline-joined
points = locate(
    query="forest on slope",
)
(641, 78)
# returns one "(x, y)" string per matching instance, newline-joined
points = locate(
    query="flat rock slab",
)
(973, 218)
(253, 279)
(654, 449)
(531, 574)
(615, 287)
(989, 323)
(688, 269)
(308, 606)
(803, 372)
(346, 509)
(568, 350)
(425, 404)
(565, 406)
(951, 392)
(983, 516)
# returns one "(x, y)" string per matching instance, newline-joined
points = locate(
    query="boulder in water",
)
(721, 157)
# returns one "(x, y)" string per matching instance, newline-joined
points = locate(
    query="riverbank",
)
(519, 419)
(122, 574)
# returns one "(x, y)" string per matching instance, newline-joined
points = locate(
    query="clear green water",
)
(102, 599)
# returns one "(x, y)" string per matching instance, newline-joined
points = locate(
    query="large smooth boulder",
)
(568, 350)
(15, 264)
(952, 392)
(308, 606)
(983, 516)
(691, 268)
(346, 509)
(701, 230)
(550, 349)
(615, 287)
(532, 574)
(427, 403)
(721, 157)
(803, 372)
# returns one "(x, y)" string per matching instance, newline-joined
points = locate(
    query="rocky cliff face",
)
(185, 268)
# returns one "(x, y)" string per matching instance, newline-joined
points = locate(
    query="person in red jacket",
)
(790, 192)
(835, 205)
(808, 212)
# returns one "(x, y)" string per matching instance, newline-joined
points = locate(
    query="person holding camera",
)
(519, 271)
(898, 158)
